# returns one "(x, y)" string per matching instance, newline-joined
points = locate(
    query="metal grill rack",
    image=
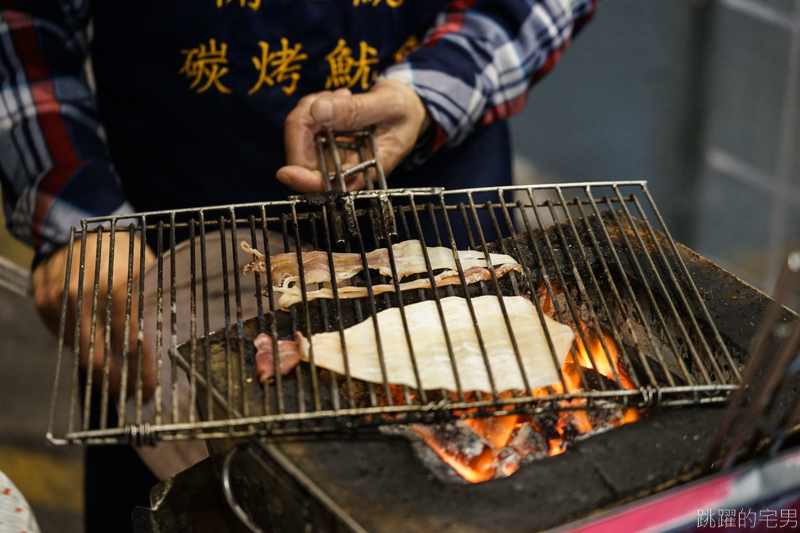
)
(595, 256)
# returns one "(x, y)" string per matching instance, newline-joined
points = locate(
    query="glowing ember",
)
(480, 449)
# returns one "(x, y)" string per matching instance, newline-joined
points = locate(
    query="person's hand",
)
(48, 291)
(396, 111)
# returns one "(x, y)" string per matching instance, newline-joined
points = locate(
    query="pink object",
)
(288, 354)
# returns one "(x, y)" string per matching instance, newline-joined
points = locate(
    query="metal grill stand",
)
(591, 248)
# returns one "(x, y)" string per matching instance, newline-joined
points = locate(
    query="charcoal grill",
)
(599, 252)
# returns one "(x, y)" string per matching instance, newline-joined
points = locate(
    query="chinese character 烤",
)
(252, 4)
(747, 518)
(346, 71)
(206, 63)
(705, 518)
(284, 66)
(789, 518)
(406, 48)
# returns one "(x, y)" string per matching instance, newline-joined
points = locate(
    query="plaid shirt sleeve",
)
(54, 165)
(478, 62)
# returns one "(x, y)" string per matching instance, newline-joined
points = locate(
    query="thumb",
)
(356, 111)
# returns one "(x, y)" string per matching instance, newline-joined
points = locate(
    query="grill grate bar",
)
(678, 321)
(723, 347)
(206, 319)
(595, 285)
(496, 284)
(193, 323)
(126, 339)
(602, 271)
(581, 291)
(61, 330)
(338, 305)
(159, 323)
(325, 319)
(227, 305)
(652, 300)
(107, 332)
(553, 298)
(301, 269)
(270, 301)
(695, 355)
(239, 320)
(374, 312)
(629, 289)
(549, 289)
(173, 304)
(615, 293)
(440, 310)
(430, 210)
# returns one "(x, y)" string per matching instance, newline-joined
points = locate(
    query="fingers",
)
(394, 108)
(300, 128)
(301, 179)
(340, 111)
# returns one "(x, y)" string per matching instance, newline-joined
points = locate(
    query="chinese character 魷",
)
(789, 518)
(208, 63)
(390, 3)
(252, 4)
(747, 517)
(770, 518)
(705, 518)
(346, 71)
(406, 48)
(727, 518)
(284, 66)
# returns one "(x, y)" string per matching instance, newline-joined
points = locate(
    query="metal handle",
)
(226, 488)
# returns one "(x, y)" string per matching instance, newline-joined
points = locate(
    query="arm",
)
(474, 67)
(54, 167)
(478, 64)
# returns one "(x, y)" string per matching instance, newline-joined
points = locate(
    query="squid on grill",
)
(430, 348)
(408, 257)
(292, 295)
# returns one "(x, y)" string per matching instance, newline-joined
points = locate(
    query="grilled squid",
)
(408, 258)
(292, 295)
(430, 347)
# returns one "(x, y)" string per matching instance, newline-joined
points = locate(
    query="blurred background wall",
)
(699, 97)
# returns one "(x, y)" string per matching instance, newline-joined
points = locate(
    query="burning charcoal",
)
(547, 423)
(506, 462)
(605, 417)
(444, 447)
(529, 444)
(455, 439)
(593, 378)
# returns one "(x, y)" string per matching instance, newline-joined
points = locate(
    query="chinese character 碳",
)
(346, 71)
(770, 518)
(406, 48)
(789, 518)
(705, 518)
(747, 517)
(284, 66)
(390, 3)
(727, 518)
(252, 4)
(206, 63)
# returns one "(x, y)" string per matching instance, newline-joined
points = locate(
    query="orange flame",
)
(497, 432)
